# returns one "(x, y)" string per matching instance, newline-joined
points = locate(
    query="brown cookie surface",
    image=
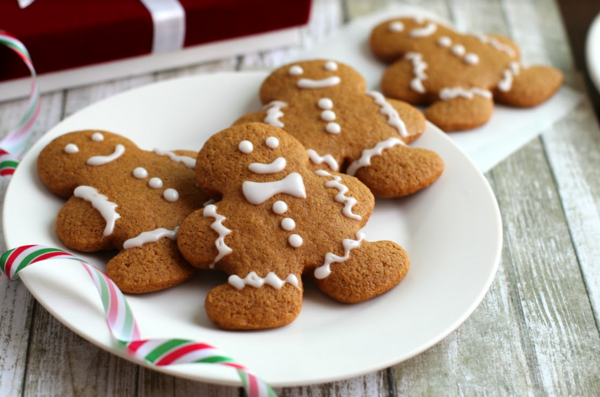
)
(324, 105)
(459, 75)
(276, 220)
(121, 197)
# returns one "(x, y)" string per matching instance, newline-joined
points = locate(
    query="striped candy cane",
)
(122, 324)
(16, 141)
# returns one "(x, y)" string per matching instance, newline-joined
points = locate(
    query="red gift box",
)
(73, 33)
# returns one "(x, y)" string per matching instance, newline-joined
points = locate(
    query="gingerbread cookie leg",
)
(526, 87)
(255, 301)
(461, 109)
(164, 268)
(392, 169)
(368, 271)
(81, 227)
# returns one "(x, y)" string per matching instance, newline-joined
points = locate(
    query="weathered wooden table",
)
(536, 332)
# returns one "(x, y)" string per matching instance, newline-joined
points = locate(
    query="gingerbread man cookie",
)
(323, 104)
(275, 220)
(458, 76)
(121, 197)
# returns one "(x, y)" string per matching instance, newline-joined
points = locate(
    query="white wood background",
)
(536, 332)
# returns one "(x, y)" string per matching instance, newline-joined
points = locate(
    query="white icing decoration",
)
(296, 70)
(97, 137)
(189, 162)
(150, 237)
(171, 195)
(245, 147)
(331, 66)
(328, 115)
(508, 50)
(327, 159)
(444, 41)
(451, 93)
(257, 192)
(140, 173)
(288, 224)
(295, 240)
(508, 75)
(418, 70)
(333, 128)
(425, 31)
(101, 160)
(325, 269)
(210, 211)
(419, 19)
(365, 158)
(396, 26)
(272, 142)
(71, 148)
(341, 197)
(277, 165)
(155, 183)
(324, 83)
(393, 117)
(274, 113)
(100, 202)
(280, 207)
(458, 49)
(325, 103)
(471, 59)
(256, 281)
(209, 202)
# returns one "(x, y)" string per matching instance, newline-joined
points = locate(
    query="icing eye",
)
(245, 147)
(71, 148)
(331, 66)
(396, 26)
(97, 137)
(296, 70)
(272, 142)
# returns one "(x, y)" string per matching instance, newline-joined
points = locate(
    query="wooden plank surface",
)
(534, 334)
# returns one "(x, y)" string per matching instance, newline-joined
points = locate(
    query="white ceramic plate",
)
(592, 51)
(451, 230)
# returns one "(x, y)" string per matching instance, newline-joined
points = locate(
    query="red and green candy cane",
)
(15, 143)
(124, 328)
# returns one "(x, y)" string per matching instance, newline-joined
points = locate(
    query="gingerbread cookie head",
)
(275, 220)
(323, 104)
(459, 75)
(121, 197)
(310, 79)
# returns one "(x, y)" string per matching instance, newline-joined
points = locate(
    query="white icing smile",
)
(277, 165)
(257, 193)
(101, 160)
(323, 83)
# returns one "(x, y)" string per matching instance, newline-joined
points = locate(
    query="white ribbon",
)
(168, 17)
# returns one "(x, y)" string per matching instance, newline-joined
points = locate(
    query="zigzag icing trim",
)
(325, 270)
(210, 211)
(341, 197)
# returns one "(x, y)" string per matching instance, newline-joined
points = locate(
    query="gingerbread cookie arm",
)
(202, 238)
(369, 271)
(464, 112)
(255, 301)
(413, 119)
(505, 41)
(151, 267)
(80, 226)
(526, 87)
(405, 79)
(392, 169)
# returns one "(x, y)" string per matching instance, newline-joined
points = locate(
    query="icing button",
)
(295, 240)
